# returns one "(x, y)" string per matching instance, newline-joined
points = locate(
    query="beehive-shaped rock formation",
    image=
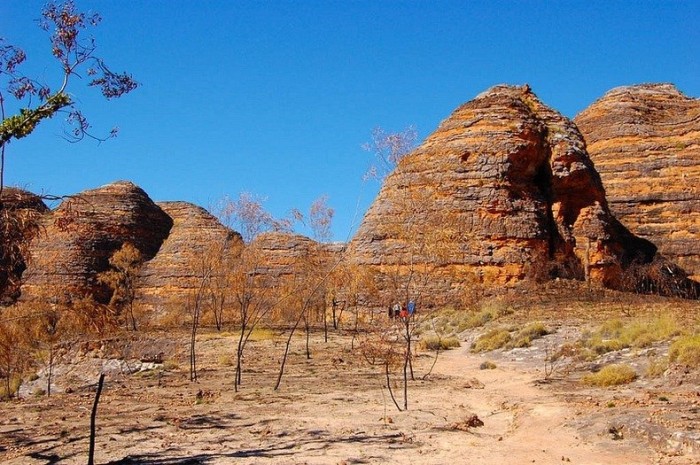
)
(645, 142)
(197, 243)
(503, 190)
(79, 237)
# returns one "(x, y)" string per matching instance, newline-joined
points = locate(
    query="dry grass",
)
(615, 334)
(438, 343)
(529, 333)
(491, 340)
(15, 383)
(487, 365)
(611, 375)
(686, 351)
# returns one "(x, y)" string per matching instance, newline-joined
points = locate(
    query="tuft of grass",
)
(226, 360)
(487, 365)
(529, 333)
(263, 334)
(438, 343)
(491, 340)
(686, 350)
(170, 365)
(615, 335)
(611, 375)
(656, 368)
(477, 320)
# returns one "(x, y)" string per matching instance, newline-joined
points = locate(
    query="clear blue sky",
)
(276, 97)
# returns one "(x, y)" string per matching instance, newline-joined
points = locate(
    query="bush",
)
(492, 340)
(528, 334)
(611, 375)
(487, 365)
(438, 343)
(686, 350)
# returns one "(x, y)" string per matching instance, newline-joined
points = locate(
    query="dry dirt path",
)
(331, 410)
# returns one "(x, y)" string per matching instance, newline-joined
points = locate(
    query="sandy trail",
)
(331, 410)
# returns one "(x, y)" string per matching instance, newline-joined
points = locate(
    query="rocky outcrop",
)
(502, 191)
(282, 254)
(645, 142)
(20, 216)
(78, 238)
(197, 245)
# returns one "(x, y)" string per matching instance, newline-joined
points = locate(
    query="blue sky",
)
(276, 97)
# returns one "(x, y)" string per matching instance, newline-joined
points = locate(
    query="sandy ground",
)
(331, 409)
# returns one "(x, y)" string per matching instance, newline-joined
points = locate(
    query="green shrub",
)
(686, 350)
(492, 340)
(611, 375)
(438, 343)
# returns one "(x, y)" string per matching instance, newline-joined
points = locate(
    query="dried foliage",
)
(121, 279)
(611, 375)
(20, 215)
(388, 148)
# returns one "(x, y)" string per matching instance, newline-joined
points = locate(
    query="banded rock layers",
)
(79, 237)
(645, 142)
(503, 190)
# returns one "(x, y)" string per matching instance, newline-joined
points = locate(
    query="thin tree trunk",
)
(48, 379)
(388, 386)
(286, 350)
(325, 323)
(93, 416)
(335, 321)
(307, 329)
(193, 341)
(239, 357)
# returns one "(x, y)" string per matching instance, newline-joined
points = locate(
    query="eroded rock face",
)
(79, 237)
(281, 254)
(170, 279)
(503, 190)
(21, 213)
(645, 142)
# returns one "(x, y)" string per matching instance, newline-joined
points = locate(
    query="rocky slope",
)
(645, 142)
(79, 237)
(502, 191)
